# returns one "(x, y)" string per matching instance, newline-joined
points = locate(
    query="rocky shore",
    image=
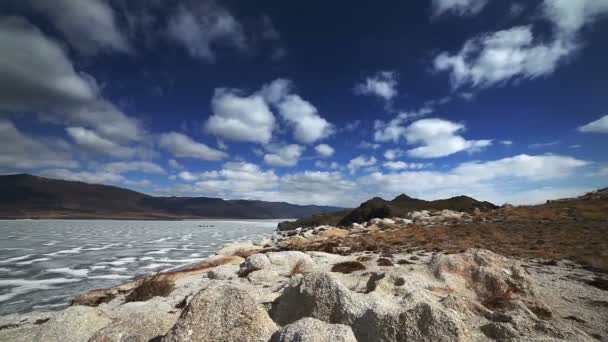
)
(310, 285)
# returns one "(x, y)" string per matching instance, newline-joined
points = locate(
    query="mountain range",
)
(25, 196)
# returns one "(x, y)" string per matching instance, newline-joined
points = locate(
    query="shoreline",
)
(290, 287)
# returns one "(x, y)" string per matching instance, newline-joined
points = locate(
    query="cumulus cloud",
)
(483, 179)
(394, 153)
(183, 146)
(241, 118)
(139, 166)
(45, 79)
(439, 138)
(90, 140)
(250, 118)
(201, 26)
(89, 26)
(19, 151)
(99, 177)
(285, 156)
(514, 54)
(325, 150)
(501, 56)
(247, 180)
(359, 162)
(39, 78)
(400, 165)
(308, 125)
(394, 130)
(458, 7)
(382, 84)
(598, 126)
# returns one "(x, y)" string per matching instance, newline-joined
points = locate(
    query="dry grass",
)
(299, 267)
(574, 230)
(348, 267)
(159, 285)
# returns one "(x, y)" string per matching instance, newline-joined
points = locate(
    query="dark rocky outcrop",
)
(381, 208)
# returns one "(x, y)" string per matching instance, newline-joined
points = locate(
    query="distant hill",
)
(381, 208)
(27, 196)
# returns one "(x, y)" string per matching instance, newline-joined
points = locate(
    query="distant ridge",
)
(380, 208)
(27, 196)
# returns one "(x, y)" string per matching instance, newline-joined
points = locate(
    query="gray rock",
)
(222, 313)
(254, 263)
(137, 328)
(74, 324)
(313, 330)
(372, 317)
(223, 272)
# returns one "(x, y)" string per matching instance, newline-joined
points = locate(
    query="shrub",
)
(348, 267)
(299, 267)
(149, 287)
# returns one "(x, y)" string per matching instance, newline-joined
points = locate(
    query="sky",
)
(316, 102)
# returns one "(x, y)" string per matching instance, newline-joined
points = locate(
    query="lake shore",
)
(312, 285)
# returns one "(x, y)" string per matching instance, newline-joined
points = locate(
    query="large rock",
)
(137, 328)
(222, 313)
(223, 272)
(372, 317)
(313, 330)
(74, 324)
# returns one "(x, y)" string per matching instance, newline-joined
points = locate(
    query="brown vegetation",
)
(570, 229)
(348, 267)
(149, 287)
(299, 267)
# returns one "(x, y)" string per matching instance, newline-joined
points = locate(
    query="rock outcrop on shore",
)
(264, 291)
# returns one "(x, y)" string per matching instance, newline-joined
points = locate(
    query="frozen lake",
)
(44, 264)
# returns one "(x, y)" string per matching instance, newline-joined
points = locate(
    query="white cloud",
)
(326, 165)
(89, 25)
(543, 145)
(400, 165)
(19, 151)
(439, 138)
(392, 154)
(203, 26)
(506, 142)
(459, 7)
(92, 141)
(300, 114)
(325, 150)
(187, 176)
(571, 16)
(249, 118)
(140, 166)
(501, 56)
(497, 180)
(285, 156)
(514, 54)
(382, 84)
(183, 146)
(175, 164)
(241, 118)
(249, 181)
(308, 125)
(598, 126)
(359, 162)
(36, 72)
(394, 130)
(100, 177)
(38, 77)
(366, 145)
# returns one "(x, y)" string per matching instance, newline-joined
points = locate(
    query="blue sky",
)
(311, 102)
